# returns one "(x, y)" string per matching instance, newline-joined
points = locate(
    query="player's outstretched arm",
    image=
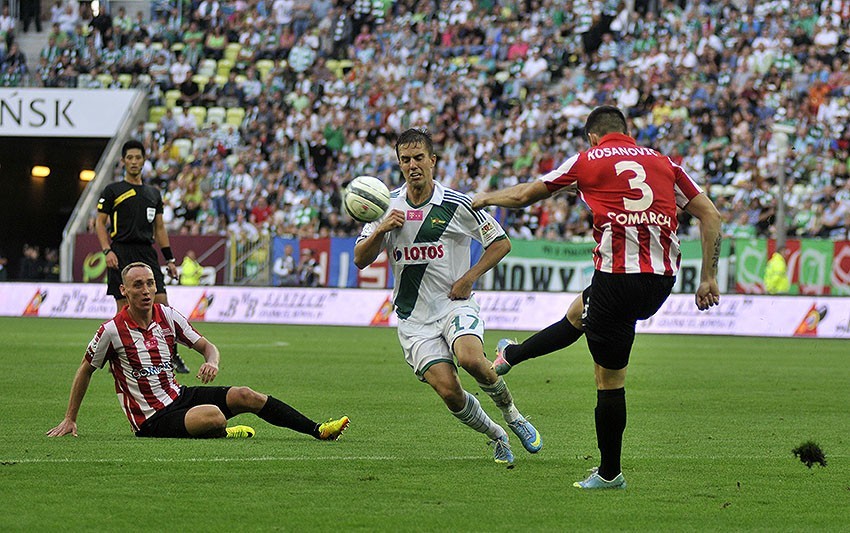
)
(521, 195)
(708, 292)
(367, 250)
(78, 391)
(208, 370)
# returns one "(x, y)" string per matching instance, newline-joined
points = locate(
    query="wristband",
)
(166, 253)
(106, 252)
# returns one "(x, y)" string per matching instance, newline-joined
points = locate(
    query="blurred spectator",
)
(4, 262)
(31, 13)
(241, 230)
(190, 270)
(50, 269)
(31, 266)
(284, 267)
(776, 273)
(309, 270)
(7, 30)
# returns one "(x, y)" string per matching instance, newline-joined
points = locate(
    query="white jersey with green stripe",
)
(431, 251)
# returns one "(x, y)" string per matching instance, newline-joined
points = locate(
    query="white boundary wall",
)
(738, 314)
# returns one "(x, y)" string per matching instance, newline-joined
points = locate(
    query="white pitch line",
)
(348, 458)
(236, 459)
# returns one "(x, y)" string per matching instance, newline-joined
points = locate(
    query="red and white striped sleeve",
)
(562, 176)
(100, 347)
(184, 332)
(685, 186)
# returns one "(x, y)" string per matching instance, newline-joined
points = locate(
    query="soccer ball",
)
(366, 198)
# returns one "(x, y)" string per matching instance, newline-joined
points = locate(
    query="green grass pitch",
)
(712, 422)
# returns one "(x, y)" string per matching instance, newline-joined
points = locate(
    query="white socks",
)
(474, 416)
(502, 398)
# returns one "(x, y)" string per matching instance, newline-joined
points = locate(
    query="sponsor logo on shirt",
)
(415, 214)
(151, 370)
(641, 218)
(418, 253)
(489, 231)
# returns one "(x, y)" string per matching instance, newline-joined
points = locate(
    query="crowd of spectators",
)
(34, 265)
(504, 86)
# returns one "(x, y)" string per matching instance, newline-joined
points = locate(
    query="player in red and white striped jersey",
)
(138, 343)
(634, 193)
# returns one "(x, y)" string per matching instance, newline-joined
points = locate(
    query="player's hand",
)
(394, 220)
(479, 200)
(112, 260)
(461, 289)
(207, 372)
(708, 294)
(172, 269)
(64, 428)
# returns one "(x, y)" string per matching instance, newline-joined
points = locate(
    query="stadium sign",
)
(738, 314)
(815, 266)
(63, 112)
(545, 266)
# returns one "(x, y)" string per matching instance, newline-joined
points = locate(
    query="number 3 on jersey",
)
(468, 322)
(638, 182)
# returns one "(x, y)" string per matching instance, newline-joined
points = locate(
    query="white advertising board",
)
(62, 112)
(745, 315)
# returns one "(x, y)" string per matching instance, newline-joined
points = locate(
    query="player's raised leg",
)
(553, 338)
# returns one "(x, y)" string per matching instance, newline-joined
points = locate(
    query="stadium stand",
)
(504, 90)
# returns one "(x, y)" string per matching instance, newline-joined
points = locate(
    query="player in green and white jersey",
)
(427, 233)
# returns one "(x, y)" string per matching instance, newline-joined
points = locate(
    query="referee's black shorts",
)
(613, 303)
(131, 253)
(170, 422)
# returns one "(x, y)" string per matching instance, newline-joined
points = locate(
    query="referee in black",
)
(133, 212)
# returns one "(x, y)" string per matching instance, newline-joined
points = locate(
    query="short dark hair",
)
(605, 119)
(415, 136)
(131, 266)
(132, 144)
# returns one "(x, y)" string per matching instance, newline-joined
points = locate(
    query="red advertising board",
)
(90, 263)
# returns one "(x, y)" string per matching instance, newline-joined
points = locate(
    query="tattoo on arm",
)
(715, 258)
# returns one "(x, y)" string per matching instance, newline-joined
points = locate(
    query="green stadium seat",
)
(224, 66)
(201, 80)
(183, 149)
(200, 114)
(207, 67)
(264, 66)
(155, 113)
(217, 115)
(231, 51)
(171, 97)
(235, 116)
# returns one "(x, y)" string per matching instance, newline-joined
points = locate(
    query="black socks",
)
(610, 425)
(559, 335)
(280, 414)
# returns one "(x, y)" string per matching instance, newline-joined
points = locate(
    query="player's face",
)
(133, 161)
(417, 166)
(139, 288)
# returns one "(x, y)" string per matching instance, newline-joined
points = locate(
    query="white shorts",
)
(427, 344)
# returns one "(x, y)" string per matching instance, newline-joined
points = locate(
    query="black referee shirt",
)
(131, 209)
